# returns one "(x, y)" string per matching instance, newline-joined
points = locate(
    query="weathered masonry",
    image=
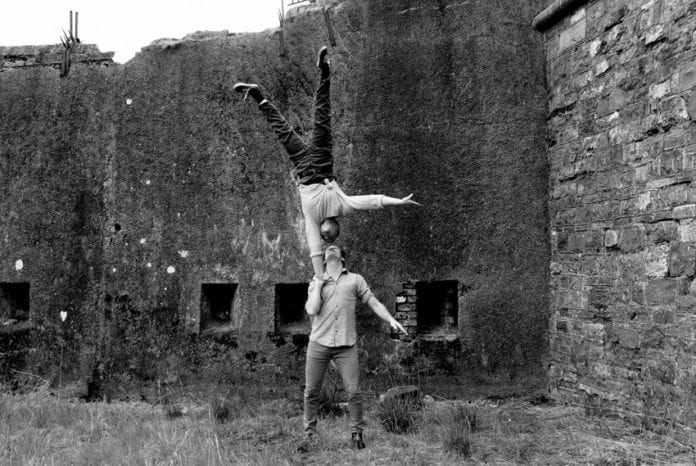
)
(622, 105)
(155, 207)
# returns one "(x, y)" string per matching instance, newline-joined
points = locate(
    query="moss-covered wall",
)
(132, 185)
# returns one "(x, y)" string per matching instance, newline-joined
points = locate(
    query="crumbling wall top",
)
(554, 13)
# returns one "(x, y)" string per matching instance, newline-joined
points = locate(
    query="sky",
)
(125, 26)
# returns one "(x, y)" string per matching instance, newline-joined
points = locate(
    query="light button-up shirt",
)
(334, 324)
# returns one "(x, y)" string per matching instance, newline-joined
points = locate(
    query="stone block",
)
(400, 299)
(602, 67)
(661, 291)
(654, 34)
(661, 232)
(684, 211)
(616, 100)
(672, 112)
(631, 239)
(573, 35)
(591, 330)
(628, 338)
(653, 337)
(573, 299)
(665, 371)
(405, 307)
(664, 316)
(691, 106)
(600, 297)
(682, 259)
(657, 261)
(594, 240)
(687, 230)
(687, 76)
(659, 90)
(611, 239)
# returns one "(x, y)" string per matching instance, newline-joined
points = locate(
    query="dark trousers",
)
(346, 360)
(312, 161)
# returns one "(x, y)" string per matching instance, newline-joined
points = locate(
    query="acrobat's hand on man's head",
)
(329, 229)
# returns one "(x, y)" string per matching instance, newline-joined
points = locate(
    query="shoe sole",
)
(322, 55)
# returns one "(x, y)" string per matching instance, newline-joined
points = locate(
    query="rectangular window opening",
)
(437, 305)
(14, 302)
(216, 304)
(290, 315)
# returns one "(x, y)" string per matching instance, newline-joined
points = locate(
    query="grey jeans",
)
(346, 360)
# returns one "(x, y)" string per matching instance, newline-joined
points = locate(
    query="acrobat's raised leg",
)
(321, 133)
(294, 145)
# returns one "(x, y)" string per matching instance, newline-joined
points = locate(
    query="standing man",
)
(322, 199)
(331, 305)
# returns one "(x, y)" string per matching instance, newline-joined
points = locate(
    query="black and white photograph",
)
(348, 232)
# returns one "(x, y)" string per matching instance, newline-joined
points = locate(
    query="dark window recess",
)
(14, 302)
(290, 315)
(437, 306)
(216, 304)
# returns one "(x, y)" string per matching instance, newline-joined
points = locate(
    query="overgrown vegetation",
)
(397, 416)
(40, 427)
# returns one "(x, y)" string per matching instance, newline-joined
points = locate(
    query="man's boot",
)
(357, 439)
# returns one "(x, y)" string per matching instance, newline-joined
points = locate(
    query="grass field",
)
(42, 427)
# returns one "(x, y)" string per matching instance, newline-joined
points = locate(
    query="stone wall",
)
(130, 191)
(623, 209)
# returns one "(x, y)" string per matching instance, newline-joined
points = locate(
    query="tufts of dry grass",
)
(397, 416)
(39, 428)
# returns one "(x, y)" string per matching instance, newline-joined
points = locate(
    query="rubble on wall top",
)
(198, 36)
(555, 12)
(34, 50)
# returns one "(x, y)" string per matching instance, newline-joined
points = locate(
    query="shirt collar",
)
(345, 270)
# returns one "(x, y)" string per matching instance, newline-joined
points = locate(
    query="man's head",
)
(334, 252)
(329, 229)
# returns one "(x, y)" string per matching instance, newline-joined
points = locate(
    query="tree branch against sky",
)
(125, 26)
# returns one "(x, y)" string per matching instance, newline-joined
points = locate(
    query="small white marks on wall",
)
(19, 265)
(184, 253)
(171, 269)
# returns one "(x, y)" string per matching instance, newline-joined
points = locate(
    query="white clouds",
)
(126, 26)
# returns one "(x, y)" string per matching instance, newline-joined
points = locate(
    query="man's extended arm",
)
(313, 304)
(381, 311)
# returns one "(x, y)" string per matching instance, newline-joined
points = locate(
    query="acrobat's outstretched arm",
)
(377, 201)
(393, 201)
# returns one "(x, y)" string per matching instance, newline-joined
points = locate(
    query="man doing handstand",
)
(322, 199)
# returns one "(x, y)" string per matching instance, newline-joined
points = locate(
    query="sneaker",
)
(323, 63)
(321, 57)
(357, 440)
(252, 90)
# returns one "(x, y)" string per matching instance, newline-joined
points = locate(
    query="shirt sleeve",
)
(363, 291)
(365, 202)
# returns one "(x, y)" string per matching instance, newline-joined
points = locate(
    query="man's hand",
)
(408, 201)
(395, 325)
